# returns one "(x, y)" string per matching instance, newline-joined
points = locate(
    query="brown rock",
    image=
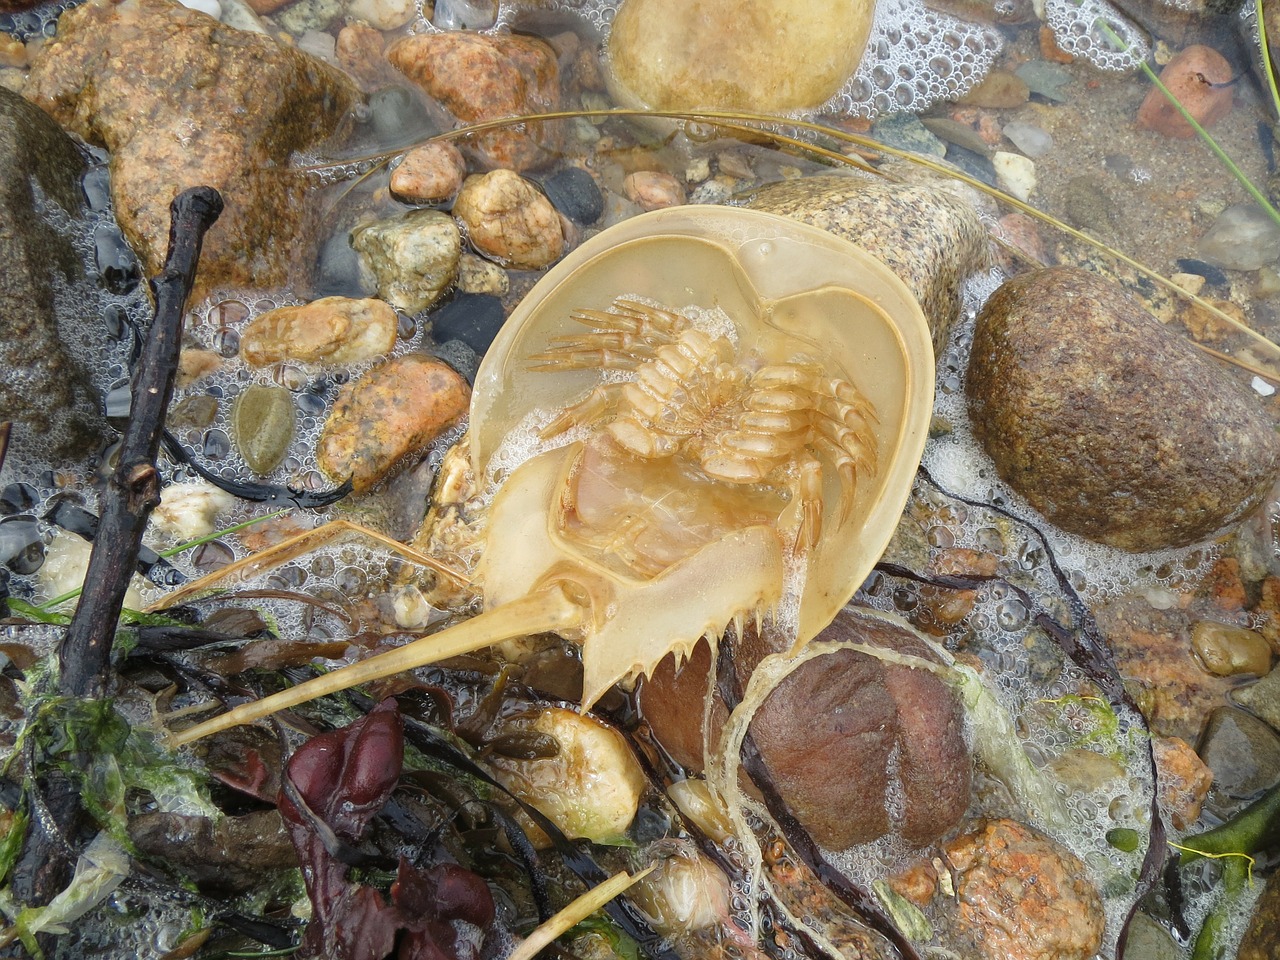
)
(999, 89)
(389, 414)
(509, 219)
(1199, 77)
(229, 855)
(653, 189)
(1110, 424)
(1183, 778)
(181, 100)
(484, 77)
(1021, 896)
(1230, 651)
(429, 173)
(334, 330)
(1261, 940)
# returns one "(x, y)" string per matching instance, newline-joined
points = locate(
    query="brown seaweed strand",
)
(134, 489)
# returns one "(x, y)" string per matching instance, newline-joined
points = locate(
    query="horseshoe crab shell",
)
(787, 288)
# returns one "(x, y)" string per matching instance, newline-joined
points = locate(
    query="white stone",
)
(189, 510)
(1015, 174)
(1030, 139)
(382, 14)
(1243, 237)
(212, 7)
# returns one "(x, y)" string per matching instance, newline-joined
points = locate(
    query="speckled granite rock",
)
(1110, 424)
(43, 392)
(922, 230)
(181, 100)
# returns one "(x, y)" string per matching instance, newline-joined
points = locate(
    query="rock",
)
(1263, 698)
(473, 318)
(262, 425)
(303, 15)
(734, 54)
(334, 330)
(430, 173)
(413, 258)
(1015, 174)
(999, 89)
(1229, 651)
(653, 189)
(1150, 941)
(398, 116)
(1244, 755)
(906, 132)
(1087, 203)
(575, 194)
(828, 731)
(388, 415)
(1044, 79)
(382, 14)
(484, 77)
(1184, 780)
(927, 234)
(478, 275)
(1110, 424)
(1242, 238)
(1201, 79)
(510, 220)
(45, 393)
(1018, 895)
(181, 100)
(358, 50)
(226, 856)
(1261, 940)
(1030, 139)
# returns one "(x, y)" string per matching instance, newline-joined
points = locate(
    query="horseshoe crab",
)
(703, 414)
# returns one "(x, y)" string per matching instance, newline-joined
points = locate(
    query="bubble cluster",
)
(1095, 31)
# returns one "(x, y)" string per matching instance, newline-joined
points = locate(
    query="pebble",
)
(1109, 423)
(717, 190)
(473, 318)
(1229, 651)
(338, 271)
(194, 364)
(1044, 79)
(906, 132)
(1000, 89)
(464, 14)
(413, 257)
(211, 8)
(957, 133)
(478, 275)
(382, 14)
(1015, 174)
(1030, 139)
(1200, 78)
(1150, 941)
(430, 173)
(196, 412)
(676, 55)
(1244, 755)
(653, 189)
(575, 194)
(334, 330)
(1263, 698)
(262, 426)
(189, 510)
(303, 15)
(387, 416)
(1183, 779)
(510, 220)
(486, 76)
(1243, 237)
(1263, 930)
(1087, 203)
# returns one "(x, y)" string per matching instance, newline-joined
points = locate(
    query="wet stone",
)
(1044, 79)
(574, 193)
(1110, 424)
(1228, 651)
(195, 412)
(1183, 780)
(1150, 941)
(654, 189)
(473, 318)
(510, 220)
(478, 275)
(398, 117)
(1200, 79)
(332, 330)
(906, 132)
(1030, 139)
(1242, 238)
(1244, 755)
(1262, 933)
(338, 272)
(413, 257)
(262, 424)
(429, 174)
(1263, 698)
(998, 89)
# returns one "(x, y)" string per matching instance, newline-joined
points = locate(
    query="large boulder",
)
(181, 100)
(1110, 424)
(44, 392)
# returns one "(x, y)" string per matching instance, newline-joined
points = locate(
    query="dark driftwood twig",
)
(133, 492)
(134, 489)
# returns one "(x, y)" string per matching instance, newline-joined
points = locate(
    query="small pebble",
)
(382, 14)
(1210, 274)
(905, 131)
(1244, 755)
(464, 14)
(574, 193)
(1182, 778)
(473, 318)
(957, 133)
(478, 275)
(509, 219)
(1045, 79)
(716, 190)
(430, 173)
(262, 425)
(1242, 238)
(413, 257)
(332, 330)
(1200, 79)
(1015, 174)
(1030, 139)
(211, 7)
(732, 163)
(653, 189)
(697, 170)
(1228, 651)
(999, 89)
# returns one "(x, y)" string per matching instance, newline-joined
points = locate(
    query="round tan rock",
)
(653, 189)
(1228, 651)
(510, 220)
(388, 415)
(429, 173)
(1109, 423)
(734, 54)
(1200, 77)
(334, 330)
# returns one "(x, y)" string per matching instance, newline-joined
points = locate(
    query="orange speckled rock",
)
(181, 100)
(1199, 77)
(482, 77)
(334, 330)
(1184, 780)
(389, 414)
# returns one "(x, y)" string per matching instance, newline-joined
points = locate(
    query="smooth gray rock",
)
(43, 391)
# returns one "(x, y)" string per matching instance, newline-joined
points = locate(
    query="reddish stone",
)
(1198, 77)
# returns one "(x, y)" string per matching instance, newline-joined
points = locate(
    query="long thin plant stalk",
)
(1267, 67)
